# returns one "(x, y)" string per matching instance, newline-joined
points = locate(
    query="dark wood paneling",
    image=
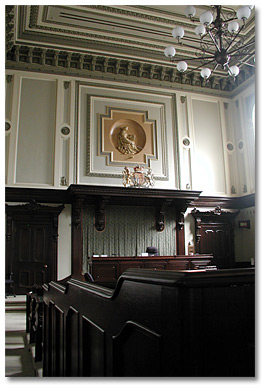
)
(111, 269)
(121, 195)
(59, 338)
(136, 352)
(31, 244)
(78, 195)
(155, 323)
(214, 232)
(93, 341)
(72, 342)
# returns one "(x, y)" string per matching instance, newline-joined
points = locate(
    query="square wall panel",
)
(118, 128)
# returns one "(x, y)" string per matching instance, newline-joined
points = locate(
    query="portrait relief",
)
(127, 136)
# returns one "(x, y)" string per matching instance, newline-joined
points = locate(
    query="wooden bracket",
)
(100, 213)
(160, 214)
(180, 220)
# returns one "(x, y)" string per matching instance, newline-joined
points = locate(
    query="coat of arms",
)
(138, 179)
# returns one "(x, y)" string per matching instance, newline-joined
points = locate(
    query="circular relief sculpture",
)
(7, 126)
(65, 131)
(240, 145)
(230, 146)
(128, 137)
(186, 142)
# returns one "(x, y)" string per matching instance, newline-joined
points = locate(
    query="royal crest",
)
(138, 179)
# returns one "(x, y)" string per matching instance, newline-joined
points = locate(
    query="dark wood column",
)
(77, 237)
(180, 232)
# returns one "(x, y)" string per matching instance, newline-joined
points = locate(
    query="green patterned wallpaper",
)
(128, 232)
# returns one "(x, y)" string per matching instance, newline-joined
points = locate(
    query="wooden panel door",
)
(215, 239)
(31, 244)
(32, 254)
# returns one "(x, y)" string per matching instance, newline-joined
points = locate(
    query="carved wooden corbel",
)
(160, 215)
(180, 220)
(198, 230)
(100, 213)
(76, 212)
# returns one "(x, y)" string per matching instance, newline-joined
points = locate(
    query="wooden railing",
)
(154, 323)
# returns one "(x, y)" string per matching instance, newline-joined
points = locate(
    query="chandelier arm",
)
(241, 47)
(200, 66)
(192, 58)
(193, 47)
(229, 71)
(244, 62)
(216, 45)
(239, 31)
(215, 67)
(242, 55)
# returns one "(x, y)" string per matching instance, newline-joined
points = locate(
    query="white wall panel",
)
(208, 164)
(36, 130)
(53, 135)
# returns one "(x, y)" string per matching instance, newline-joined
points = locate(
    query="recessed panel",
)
(35, 148)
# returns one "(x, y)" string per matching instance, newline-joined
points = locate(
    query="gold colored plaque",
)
(127, 136)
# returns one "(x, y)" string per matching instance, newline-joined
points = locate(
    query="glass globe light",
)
(200, 30)
(169, 51)
(182, 66)
(178, 32)
(206, 18)
(190, 11)
(243, 12)
(233, 27)
(234, 70)
(205, 73)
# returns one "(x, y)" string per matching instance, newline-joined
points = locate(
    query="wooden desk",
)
(108, 269)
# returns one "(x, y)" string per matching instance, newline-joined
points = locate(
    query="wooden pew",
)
(153, 324)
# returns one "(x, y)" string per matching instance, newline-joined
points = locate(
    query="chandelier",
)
(220, 45)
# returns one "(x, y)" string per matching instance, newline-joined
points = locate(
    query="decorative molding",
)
(183, 98)
(134, 195)
(32, 207)
(10, 27)
(66, 85)
(9, 78)
(79, 64)
(215, 213)
(63, 181)
(225, 202)
(90, 41)
(165, 163)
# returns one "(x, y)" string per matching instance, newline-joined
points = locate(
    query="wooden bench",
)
(153, 324)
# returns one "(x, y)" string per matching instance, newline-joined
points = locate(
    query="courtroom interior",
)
(130, 190)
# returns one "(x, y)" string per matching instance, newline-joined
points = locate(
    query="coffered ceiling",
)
(126, 40)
